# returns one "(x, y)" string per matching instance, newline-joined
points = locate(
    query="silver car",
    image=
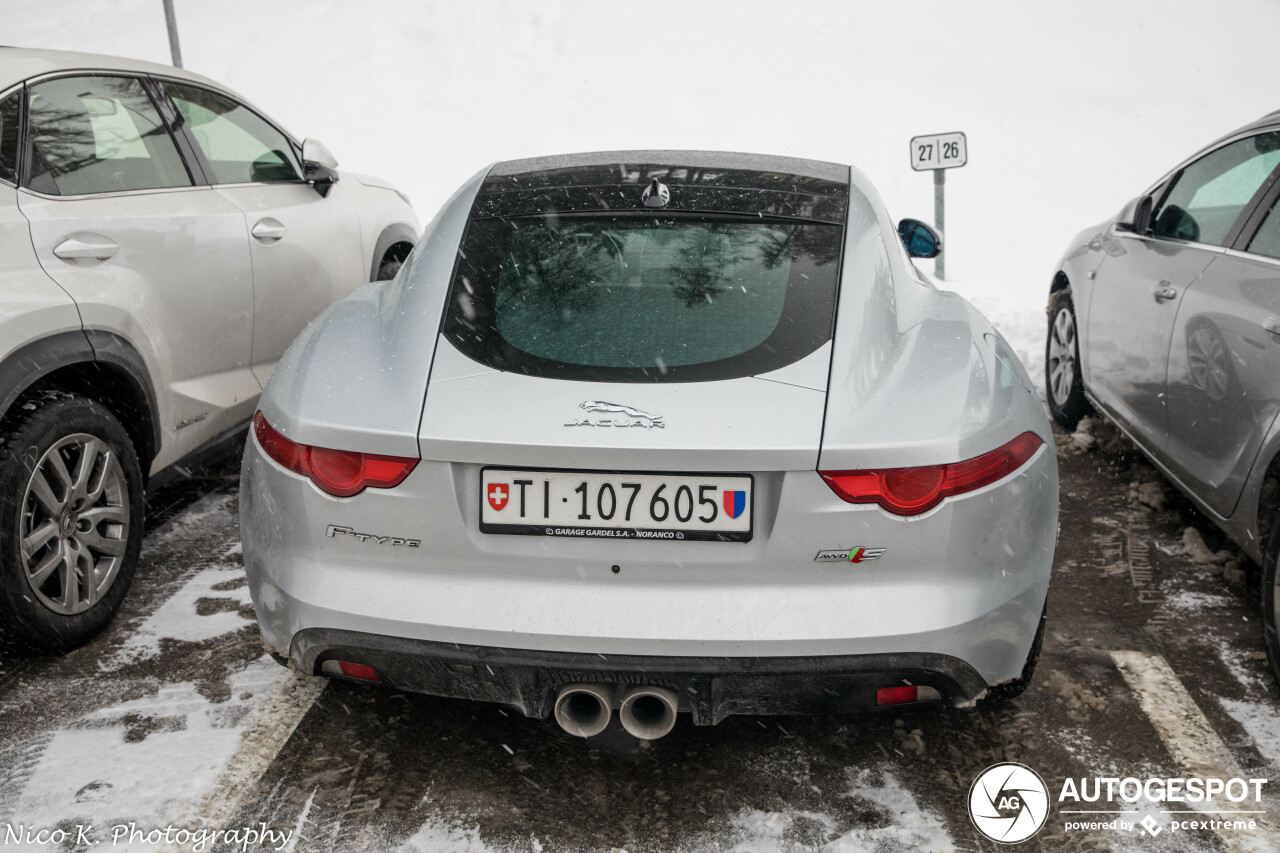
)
(162, 242)
(1166, 318)
(662, 432)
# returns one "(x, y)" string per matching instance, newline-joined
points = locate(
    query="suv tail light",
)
(911, 491)
(341, 473)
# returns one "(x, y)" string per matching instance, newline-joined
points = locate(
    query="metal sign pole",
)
(172, 23)
(939, 195)
(938, 152)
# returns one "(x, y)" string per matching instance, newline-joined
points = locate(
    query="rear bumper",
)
(710, 688)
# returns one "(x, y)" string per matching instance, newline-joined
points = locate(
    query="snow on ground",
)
(1262, 723)
(904, 826)
(144, 760)
(207, 606)
(156, 759)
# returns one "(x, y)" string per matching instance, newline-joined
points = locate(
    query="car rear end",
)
(608, 475)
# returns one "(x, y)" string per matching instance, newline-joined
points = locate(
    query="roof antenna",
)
(656, 194)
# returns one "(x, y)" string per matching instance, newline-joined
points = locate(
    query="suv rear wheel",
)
(71, 520)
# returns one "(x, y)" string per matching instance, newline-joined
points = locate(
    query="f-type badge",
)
(622, 416)
(333, 531)
(849, 555)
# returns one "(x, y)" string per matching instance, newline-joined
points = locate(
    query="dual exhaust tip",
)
(583, 710)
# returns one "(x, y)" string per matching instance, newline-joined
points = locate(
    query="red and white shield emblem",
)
(498, 494)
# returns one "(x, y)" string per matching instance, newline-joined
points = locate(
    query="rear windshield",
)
(642, 298)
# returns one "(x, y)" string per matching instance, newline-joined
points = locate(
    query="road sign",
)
(939, 151)
(936, 152)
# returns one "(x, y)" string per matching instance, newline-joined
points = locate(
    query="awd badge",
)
(849, 555)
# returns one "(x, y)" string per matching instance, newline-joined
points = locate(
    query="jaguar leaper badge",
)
(621, 416)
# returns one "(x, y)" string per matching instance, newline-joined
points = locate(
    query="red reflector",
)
(361, 671)
(911, 491)
(890, 695)
(341, 473)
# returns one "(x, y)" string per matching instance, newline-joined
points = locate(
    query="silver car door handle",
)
(1164, 291)
(269, 230)
(1272, 325)
(86, 247)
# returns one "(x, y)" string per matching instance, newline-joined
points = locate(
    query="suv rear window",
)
(641, 298)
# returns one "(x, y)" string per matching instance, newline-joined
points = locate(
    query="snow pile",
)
(215, 601)
(89, 770)
(1262, 723)
(1149, 494)
(1189, 601)
(909, 740)
(436, 836)
(1224, 562)
(903, 826)
(1194, 549)
(1074, 697)
(1083, 440)
(899, 825)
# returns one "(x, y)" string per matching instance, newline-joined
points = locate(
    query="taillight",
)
(911, 491)
(341, 473)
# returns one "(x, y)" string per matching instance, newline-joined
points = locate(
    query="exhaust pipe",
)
(584, 710)
(648, 712)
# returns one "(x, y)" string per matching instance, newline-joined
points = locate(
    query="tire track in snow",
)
(1190, 739)
(267, 729)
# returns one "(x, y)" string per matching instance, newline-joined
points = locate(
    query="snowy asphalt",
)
(1152, 665)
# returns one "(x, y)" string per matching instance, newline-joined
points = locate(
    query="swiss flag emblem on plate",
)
(498, 495)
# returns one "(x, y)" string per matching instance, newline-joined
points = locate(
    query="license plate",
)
(617, 505)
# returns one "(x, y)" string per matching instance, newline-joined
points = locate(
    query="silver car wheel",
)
(1062, 356)
(74, 527)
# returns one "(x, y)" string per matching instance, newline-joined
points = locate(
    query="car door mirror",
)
(920, 240)
(1135, 217)
(319, 166)
(1177, 223)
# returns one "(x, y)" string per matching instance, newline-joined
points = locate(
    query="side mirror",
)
(319, 166)
(920, 240)
(1135, 217)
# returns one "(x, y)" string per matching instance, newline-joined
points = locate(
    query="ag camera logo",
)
(1008, 802)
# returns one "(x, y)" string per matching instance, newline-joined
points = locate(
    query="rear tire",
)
(71, 520)
(389, 267)
(1271, 598)
(1063, 383)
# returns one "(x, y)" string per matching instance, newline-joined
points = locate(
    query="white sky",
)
(1070, 108)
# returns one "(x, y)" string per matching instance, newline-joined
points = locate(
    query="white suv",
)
(161, 244)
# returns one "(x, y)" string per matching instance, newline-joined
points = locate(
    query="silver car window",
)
(1209, 195)
(99, 135)
(240, 145)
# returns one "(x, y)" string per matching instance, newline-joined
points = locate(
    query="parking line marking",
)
(267, 729)
(1187, 734)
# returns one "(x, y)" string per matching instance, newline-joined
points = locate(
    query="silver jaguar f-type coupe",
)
(657, 432)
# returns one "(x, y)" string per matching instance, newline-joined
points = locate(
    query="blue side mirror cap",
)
(920, 240)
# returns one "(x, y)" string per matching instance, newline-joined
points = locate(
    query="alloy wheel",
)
(74, 527)
(1062, 356)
